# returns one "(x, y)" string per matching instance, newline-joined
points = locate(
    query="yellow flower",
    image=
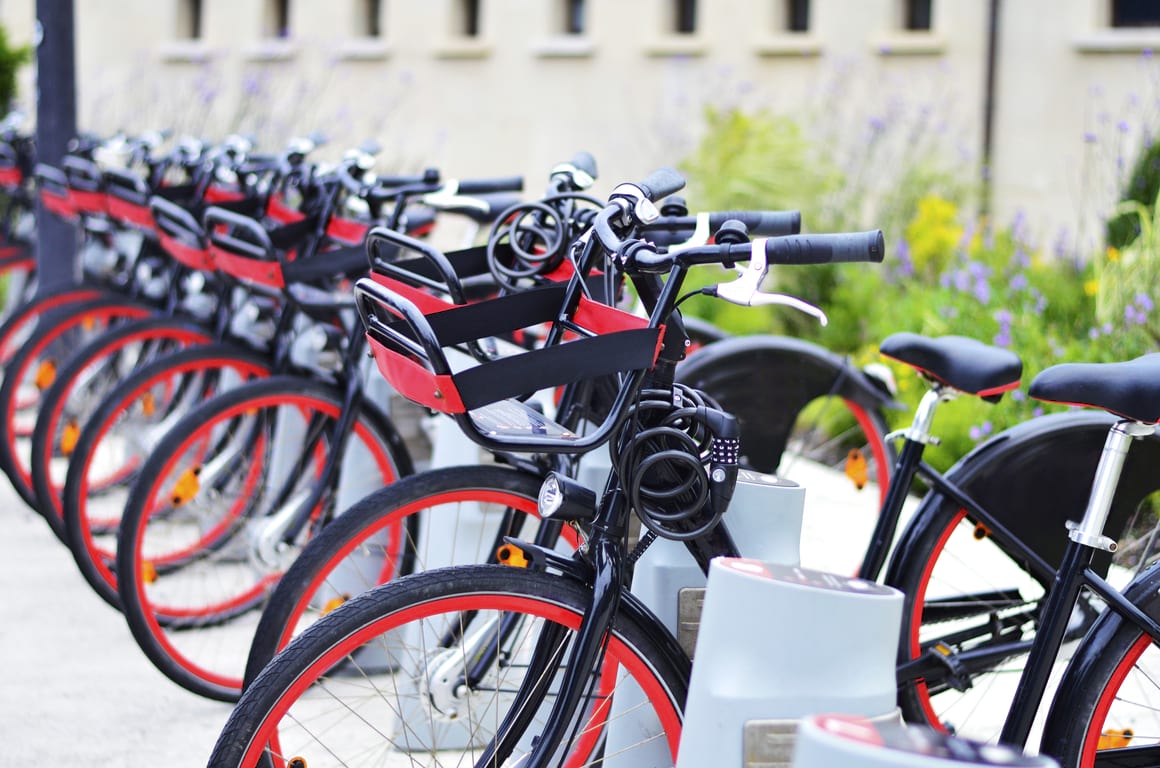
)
(1113, 253)
(1091, 287)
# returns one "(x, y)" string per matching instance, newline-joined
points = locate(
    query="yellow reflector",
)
(148, 404)
(148, 572)
(69, 437)
(45, 375)
(186, 487)
(857, 469)
(333, 603)
(1115, 739)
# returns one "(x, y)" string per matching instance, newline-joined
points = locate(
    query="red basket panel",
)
(246, 268)
(131, 213)
(191, 256)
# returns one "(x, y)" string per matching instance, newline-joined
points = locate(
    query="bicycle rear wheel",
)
(452, 516)
(120, 436)
(193, 571)
(427, 667)
(808, 416)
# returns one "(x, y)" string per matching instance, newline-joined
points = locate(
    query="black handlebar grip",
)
(483, 186)
(585, 162)
(761, 223)
(826, 249)
(662, 183)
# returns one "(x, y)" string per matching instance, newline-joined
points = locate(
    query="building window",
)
(797, 15)
(369, 18)
(189, 19)
(684, 16)
(917, 15)
(573, 17)
(1135, 13)
(277, 21)
(466, 20)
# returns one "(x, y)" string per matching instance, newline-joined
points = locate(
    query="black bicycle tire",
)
(130, 591)
(361, 521)
(95, 352)
(74, 503)
(635, 629)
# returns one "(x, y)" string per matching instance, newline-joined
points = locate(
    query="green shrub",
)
(1143, 188)
(11, 60)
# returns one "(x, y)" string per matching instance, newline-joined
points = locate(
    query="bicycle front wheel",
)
(200, 544)
(1107, 711)
(122, 433)
(433, 667)
(451, 516)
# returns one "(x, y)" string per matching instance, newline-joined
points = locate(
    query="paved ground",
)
(75, 689)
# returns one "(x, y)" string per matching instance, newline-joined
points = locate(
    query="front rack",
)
(410, 333)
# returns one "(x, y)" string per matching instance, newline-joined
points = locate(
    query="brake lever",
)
(448, 196)
(746, 290)
(699, 237)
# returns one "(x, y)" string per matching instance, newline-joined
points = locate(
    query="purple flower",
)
(962, 281)
(1018, 282)
(1093, 333)
(1144, 302)
(1122, 126)
(1004, 317)
(982, 291)
(1089, 137)
(1002, 339)
(1018, 396)
(1035, 414)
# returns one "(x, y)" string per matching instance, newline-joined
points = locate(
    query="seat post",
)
(1090, 531)
(916, 439)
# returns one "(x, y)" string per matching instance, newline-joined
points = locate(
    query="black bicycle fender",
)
(1035, 477)
(740, 374)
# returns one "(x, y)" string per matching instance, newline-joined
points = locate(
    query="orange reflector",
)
(296, 762)
(333, 603)
(981, 531)
(513, 556)
(148, 572)
(45, 375)
(857, 469)
(69, 436)
(148, 404)
(186, 487)
(1115, 739)
(89, 323)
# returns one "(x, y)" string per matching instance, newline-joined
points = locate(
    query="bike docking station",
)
(765, 514)
(840, 741)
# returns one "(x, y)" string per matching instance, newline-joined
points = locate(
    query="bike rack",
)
(840, 741)
(778, 643)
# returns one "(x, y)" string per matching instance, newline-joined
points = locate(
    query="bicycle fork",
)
(582, 659)
(1084, 539)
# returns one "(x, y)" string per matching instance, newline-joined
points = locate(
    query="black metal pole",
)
(56, 123)
(990, 87)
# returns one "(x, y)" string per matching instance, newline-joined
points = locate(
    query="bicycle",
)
(360, 550)
(225, 498)
(486, 606)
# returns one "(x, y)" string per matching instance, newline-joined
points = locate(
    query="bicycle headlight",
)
(562, 498)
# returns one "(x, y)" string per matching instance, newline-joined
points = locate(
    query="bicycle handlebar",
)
(486, 186)
(759, 223)
(661, 183)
